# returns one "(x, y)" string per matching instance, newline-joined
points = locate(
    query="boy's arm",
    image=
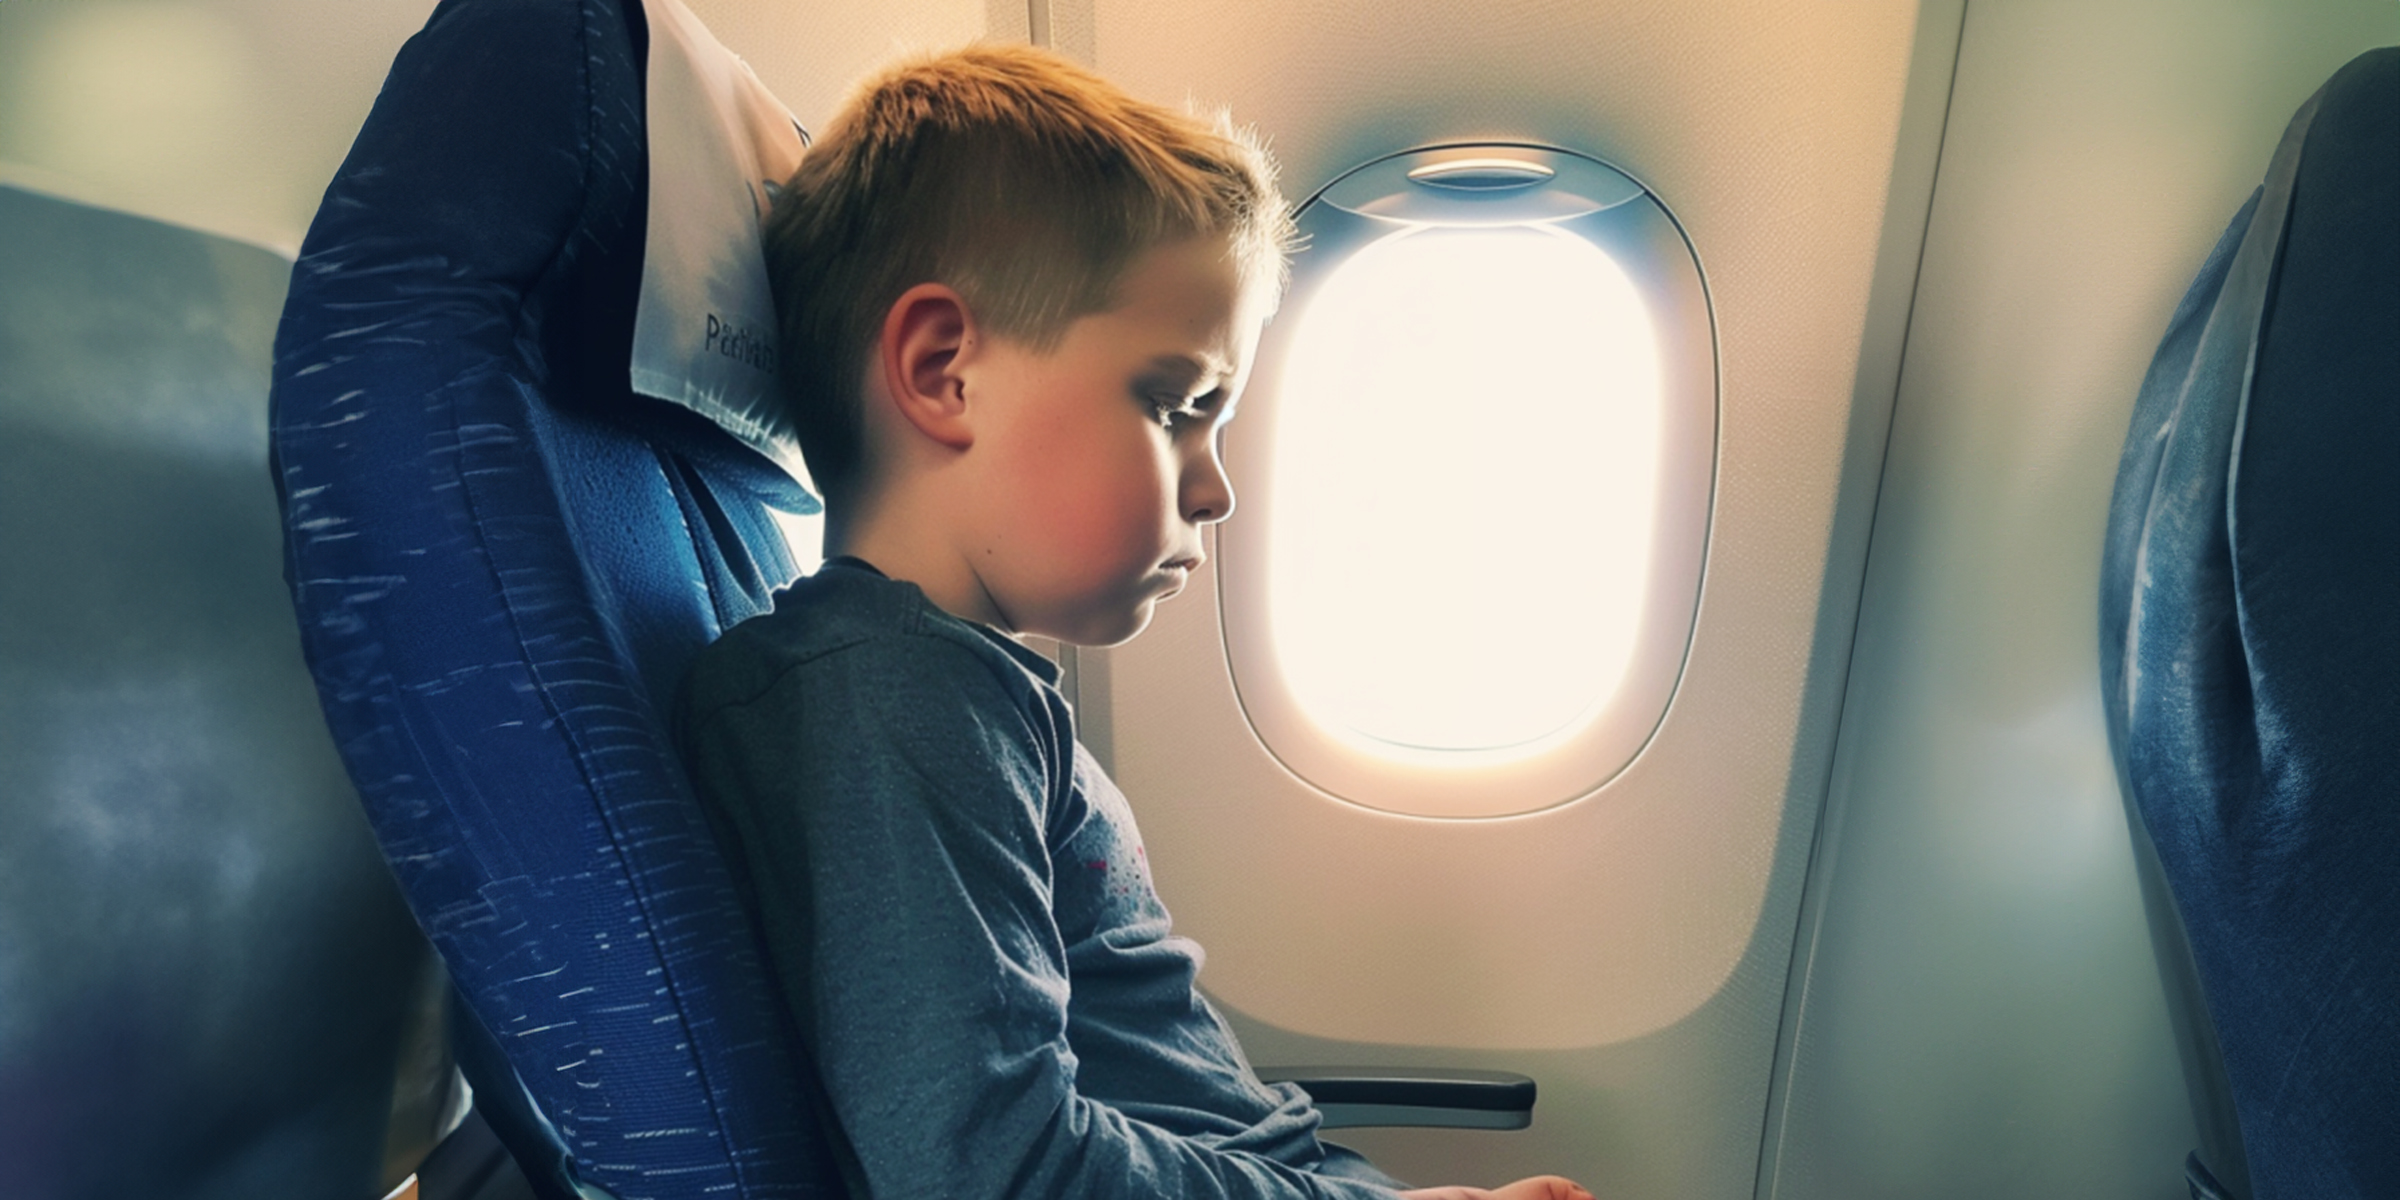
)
(888, 804)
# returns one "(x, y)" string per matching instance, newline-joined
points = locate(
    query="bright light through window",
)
(805, 535)
(1465, 476)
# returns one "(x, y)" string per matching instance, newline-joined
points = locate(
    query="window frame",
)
(1588, 198)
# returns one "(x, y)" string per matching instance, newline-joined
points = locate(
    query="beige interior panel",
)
(1982, 1014)
(808, 52)
(1616, 915)
(227, 116)
(230, 115)
(1629, 949)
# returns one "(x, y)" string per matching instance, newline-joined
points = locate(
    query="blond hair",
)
(1022, 180)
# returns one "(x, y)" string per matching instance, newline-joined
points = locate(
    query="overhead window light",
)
(1485, 174)
(1474, 473)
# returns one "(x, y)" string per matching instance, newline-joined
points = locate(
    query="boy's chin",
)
(1099, 631)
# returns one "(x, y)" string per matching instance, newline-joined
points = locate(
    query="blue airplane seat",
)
(2250, 622)
(209, 987)
(502, 561)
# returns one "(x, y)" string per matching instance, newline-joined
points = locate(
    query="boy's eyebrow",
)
(1189, 369)
(1192, 368)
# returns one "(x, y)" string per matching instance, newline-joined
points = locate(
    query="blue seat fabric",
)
(503, 562)
(2251, 643)
(206, 976)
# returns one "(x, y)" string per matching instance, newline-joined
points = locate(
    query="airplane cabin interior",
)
(1814, 610)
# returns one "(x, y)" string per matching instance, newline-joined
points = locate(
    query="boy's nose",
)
(1207, 493)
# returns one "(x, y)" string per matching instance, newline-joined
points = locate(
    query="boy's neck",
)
(885, 536)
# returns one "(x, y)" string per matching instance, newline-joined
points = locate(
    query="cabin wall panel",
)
(1628, 949)
(809, 52)
(230, 116)
(222, 115)
(1982, 1013)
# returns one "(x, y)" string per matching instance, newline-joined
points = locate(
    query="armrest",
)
(1349, 1097)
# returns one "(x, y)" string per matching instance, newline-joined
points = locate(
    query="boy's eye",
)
(1176, 409)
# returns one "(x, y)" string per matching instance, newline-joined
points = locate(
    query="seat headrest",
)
(720, 146)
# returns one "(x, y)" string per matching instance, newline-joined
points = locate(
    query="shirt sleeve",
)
(890, 804)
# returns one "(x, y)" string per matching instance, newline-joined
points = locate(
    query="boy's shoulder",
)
(849, 619)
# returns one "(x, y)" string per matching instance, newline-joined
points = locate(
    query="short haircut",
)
(1022, 180)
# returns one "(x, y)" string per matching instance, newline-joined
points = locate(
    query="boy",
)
(1016, 307)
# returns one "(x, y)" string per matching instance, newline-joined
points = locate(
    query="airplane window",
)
(1499, 377)
(1474, 478)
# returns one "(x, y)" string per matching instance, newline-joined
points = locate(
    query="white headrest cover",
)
(720, 144)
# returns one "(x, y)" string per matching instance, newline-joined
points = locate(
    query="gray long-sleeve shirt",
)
(957, 906)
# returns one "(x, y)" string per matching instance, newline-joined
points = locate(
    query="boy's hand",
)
(1540, 1187)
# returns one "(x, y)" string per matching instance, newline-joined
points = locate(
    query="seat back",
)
(207, 980)
(2251, 643)
(503, 561)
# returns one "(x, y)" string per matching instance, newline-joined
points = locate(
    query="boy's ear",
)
(923, 334)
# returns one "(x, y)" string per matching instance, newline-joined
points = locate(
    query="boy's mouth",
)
(1179, 574)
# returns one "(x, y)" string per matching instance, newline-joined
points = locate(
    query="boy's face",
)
(1101, 458)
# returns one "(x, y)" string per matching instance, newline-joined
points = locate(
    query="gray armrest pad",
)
(1355, 1096)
